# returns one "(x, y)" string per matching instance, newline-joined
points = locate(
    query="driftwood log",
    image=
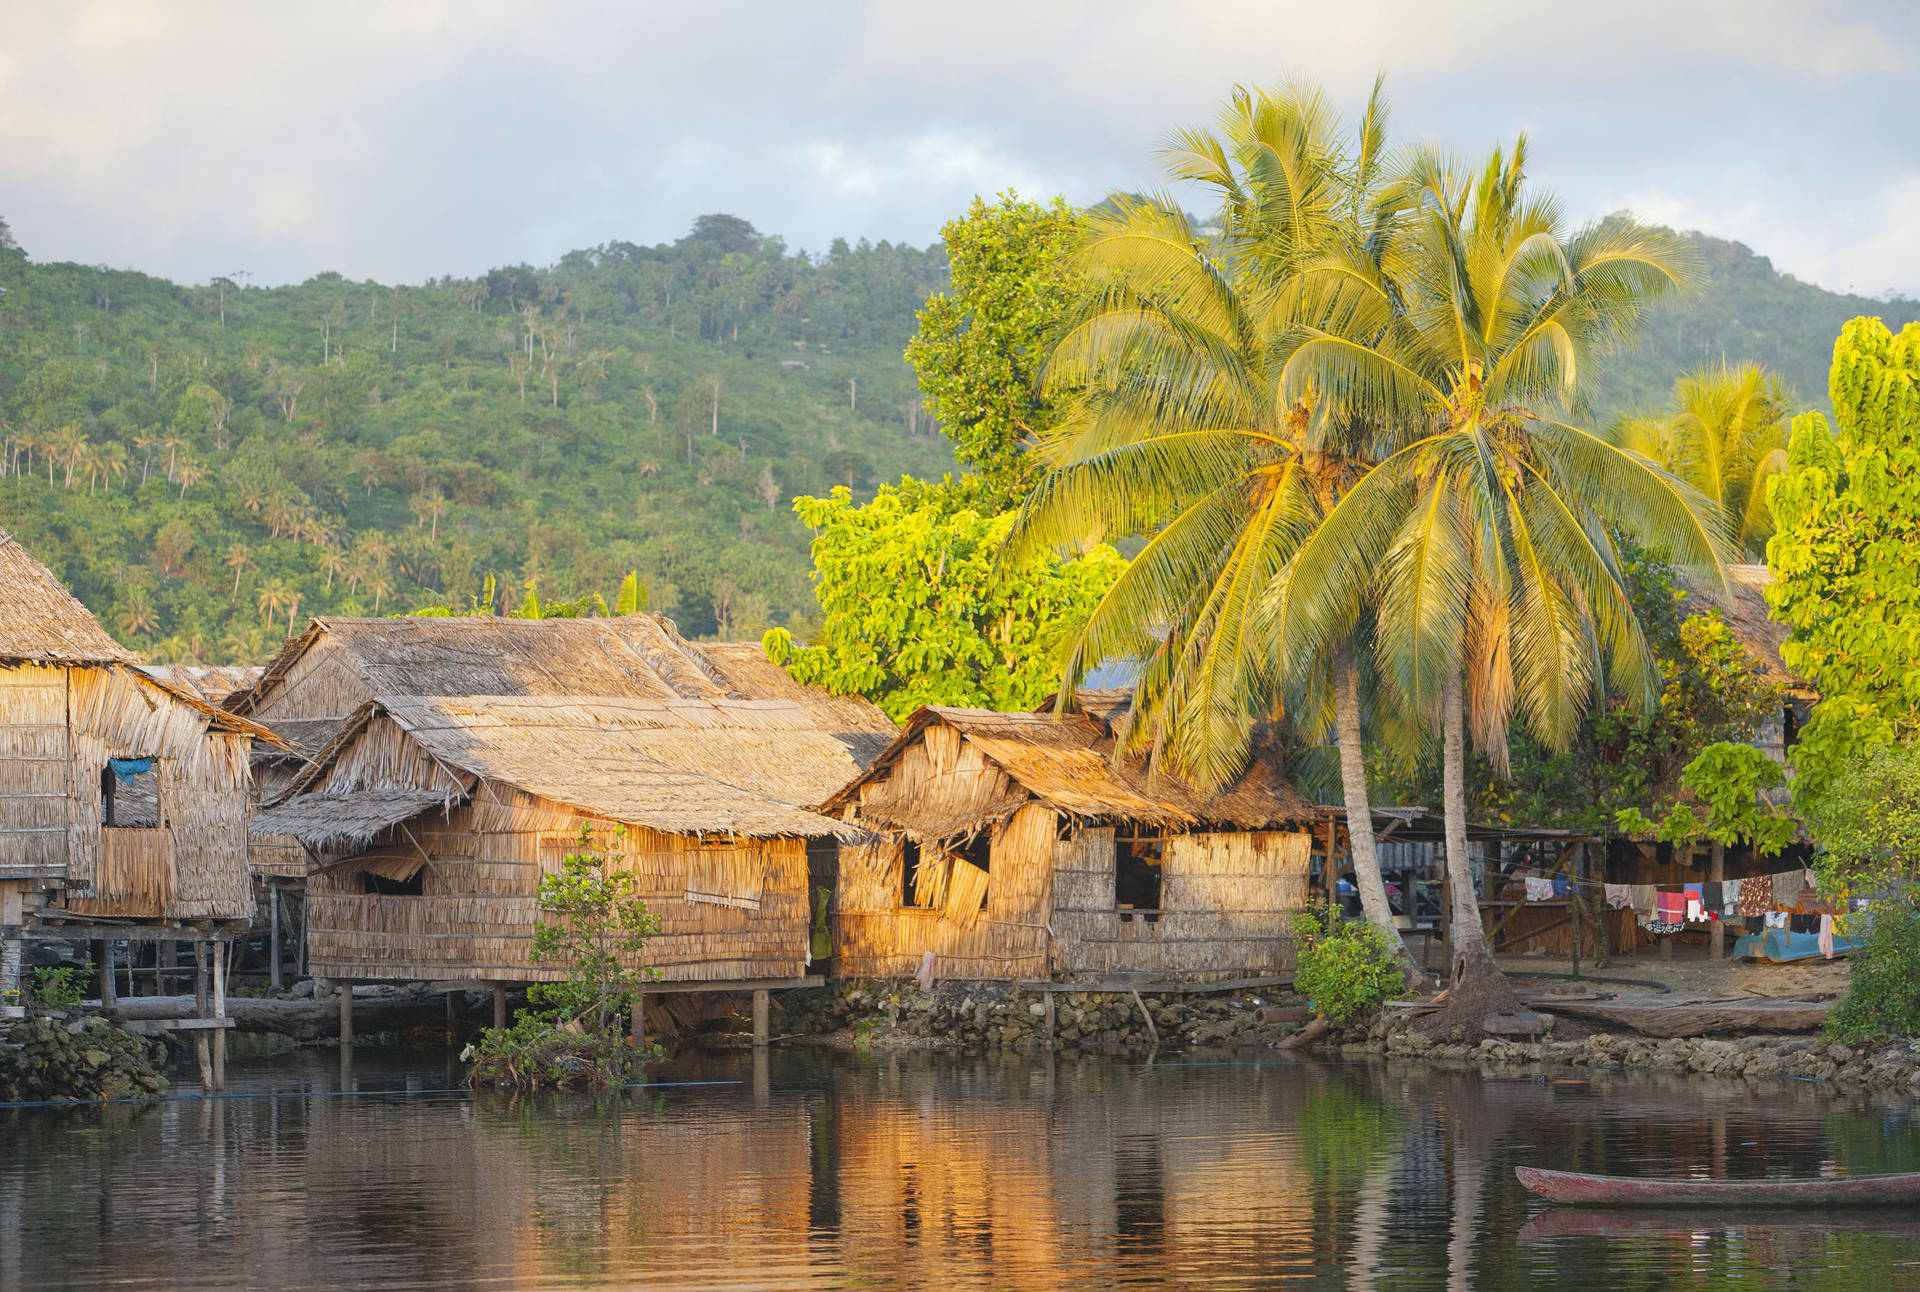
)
(303, 1020)
(1681, 1016)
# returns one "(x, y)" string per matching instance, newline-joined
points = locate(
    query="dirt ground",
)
(1692, 970)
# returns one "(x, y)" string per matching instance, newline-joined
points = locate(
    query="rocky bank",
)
(77, 1059)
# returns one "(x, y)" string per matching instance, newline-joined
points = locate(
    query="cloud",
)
(402, 141)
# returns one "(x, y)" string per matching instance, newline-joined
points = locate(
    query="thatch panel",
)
(314, 677)
(1083, 870)
(966, 893)
(280, 856)
(33, 771)
(337, 822)
(134, 875)
(939, 787)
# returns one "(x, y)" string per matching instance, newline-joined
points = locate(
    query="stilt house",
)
(1014, 846)
(472, 755)
(123, 799)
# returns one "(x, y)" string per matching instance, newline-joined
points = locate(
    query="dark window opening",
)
(130, 794)
(979, 852)
(415, 886)
(909, 872)
(1136, 876)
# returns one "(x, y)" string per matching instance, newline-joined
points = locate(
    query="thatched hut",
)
(1744, 607)
(474, 753)
(1015, 846)
(123, 799)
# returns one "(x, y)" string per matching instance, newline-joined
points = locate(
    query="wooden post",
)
(103, 963)
(761, 1033)
(200, 1003)
(273, 936)
(1573, 909)
(1717, 930)
(220, 1012)
(500, 1005)
(1326, 884)
(346, 1013)
(637, 1024)
(11, 915)
(1049, 1016)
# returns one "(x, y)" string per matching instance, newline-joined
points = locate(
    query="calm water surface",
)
(933, 1170)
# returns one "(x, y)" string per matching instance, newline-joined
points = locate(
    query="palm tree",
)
(1726, 435)
(1484, 547)
(239, 559)
(136, 616)
(188, 473)
(380, 584)
(333, 561)
(1181, 428)
(272, 597)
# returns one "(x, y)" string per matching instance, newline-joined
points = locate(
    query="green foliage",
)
(1725, 786)
(1883, 996)
(572, 1032)
(1868, 821)
(1847, 517)
(174, 452)
(59, 986)
(980, 345)
(920, 607)
(1345, 968)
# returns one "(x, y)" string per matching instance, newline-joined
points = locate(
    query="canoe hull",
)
(1576, 1189)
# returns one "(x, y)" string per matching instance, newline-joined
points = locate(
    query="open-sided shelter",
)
(1016, 846)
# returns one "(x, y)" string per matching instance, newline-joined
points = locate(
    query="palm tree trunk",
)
(1467, 932)
(1360, 841)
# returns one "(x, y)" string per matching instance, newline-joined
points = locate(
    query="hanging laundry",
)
(1804, 923)
(1755, 923)
(1644, 900)
(1775, 919)
(1562, 888)
(1660, 928)
(1670, 907)
(1713, 895)
(1695, 905)
(1756, 895)
(1788, 885)
(1619, 896)
(1539, 890)
(1812, 880)
(1826, 936)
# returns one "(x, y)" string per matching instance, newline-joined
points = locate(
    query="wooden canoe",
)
(1626, 1191)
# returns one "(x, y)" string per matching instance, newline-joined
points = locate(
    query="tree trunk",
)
(1477, 988)
(1717, 931)
(1360, 841)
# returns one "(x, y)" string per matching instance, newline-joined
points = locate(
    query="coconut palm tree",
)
(1484, 546)
(239, 559)
(1181, 429)
(1726, 435)
(273, 596)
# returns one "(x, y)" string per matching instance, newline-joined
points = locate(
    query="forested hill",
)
(192, 459)
(205, 464)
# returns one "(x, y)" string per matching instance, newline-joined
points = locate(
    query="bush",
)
(1344, 968)
(1883, 999)
(58, 986)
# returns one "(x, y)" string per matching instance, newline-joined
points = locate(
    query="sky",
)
(401, 141)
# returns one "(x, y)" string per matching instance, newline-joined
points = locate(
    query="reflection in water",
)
(932, 1169)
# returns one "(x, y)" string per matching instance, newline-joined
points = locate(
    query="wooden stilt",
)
(637, 1024)
(103, 962)
(761, 1032)
(346, 1013)
(500, 1005)
(1049, 996)
(1717, 931)
(201, 1004)
(203, 1052)
(273, 937)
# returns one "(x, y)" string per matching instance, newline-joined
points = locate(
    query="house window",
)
(414, 885)
(130, 793)
(1137, 875)
(909, 872)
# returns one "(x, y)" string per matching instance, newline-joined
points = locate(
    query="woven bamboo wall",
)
(278, 855)
(204, 785)
(875, 937)
(33, 772)
(1225, 902)
(383, 756)
(941, 783)
(729, 909)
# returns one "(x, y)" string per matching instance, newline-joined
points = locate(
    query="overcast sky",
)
(400, 141)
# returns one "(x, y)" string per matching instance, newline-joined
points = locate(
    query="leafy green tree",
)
(1847, 517)
(1726, 436)
(919, 607)
(980, 346)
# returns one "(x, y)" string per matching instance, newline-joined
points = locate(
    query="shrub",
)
(573, 1032)
(1884, 996)
(58, 986)
(1344, 968)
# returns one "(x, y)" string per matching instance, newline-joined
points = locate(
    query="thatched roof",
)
(1744, 607)
(339, 822)
(210, 682)
(1068, 763)
(679, 766)
(304, 737)
(43, 623)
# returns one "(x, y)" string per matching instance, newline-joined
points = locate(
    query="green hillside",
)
(204, 463)
(192, 459)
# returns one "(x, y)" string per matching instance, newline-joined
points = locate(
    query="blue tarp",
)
(1784, 944)
(128, 768)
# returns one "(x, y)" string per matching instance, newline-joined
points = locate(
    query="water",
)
(933, 1170)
